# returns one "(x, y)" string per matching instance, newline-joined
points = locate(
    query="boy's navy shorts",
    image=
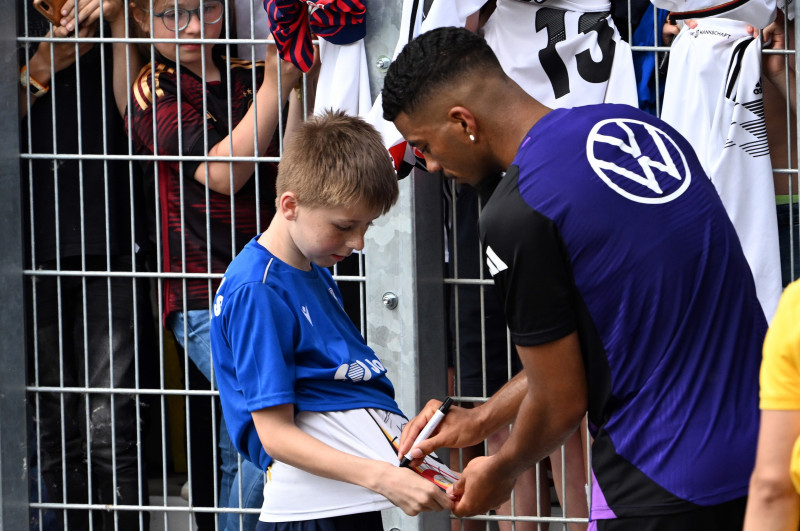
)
(350, 522)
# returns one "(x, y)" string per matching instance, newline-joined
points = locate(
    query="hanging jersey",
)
(294, 24)
(314, 355)
(344, 73)
(563, 53)
(627, 242)
(562, 57)
(720, 66)
(757, 13)
(251, 23)
(411, 19)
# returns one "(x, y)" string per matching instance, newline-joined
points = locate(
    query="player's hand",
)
(411, 492)
(458, 429)
(483, 486)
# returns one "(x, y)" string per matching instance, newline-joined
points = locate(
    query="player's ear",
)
(287, 206)
(464, 119)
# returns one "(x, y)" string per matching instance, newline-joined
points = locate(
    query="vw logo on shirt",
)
(638, 160)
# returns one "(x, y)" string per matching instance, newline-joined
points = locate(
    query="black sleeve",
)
(529, 263)
(197, 148)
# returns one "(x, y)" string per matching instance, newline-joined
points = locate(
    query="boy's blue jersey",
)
(279, 335)
(627, 242)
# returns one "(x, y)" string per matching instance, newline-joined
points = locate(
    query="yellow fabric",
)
(780, 368)
(794, 465)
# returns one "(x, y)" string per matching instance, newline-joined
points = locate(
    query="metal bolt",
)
(390, 300)
(383, 63)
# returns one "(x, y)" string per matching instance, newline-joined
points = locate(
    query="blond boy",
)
(302, 392)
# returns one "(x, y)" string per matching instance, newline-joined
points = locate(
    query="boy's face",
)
(184, 16)
(327, 235)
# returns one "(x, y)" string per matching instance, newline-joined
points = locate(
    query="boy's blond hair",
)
(335, 160)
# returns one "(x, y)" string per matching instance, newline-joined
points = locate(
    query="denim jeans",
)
(252, 495)
(199, 351)
(80, 340)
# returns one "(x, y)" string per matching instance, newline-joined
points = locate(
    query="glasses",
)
(178, 19)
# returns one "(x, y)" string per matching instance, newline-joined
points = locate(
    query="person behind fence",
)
(85, 330)
(303, 394)
(208, 210)
(774, 500)
(625, 288)
(780, 90)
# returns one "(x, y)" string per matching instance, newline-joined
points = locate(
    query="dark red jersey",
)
(201, 230)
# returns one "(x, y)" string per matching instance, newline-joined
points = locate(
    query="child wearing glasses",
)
(215, 113)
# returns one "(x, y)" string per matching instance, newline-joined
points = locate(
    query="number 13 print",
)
(590, 70)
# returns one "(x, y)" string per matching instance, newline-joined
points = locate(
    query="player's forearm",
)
(501, 409)
(553, 405)
(538, 431)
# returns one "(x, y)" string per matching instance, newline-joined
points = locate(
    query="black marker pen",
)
(426, 431)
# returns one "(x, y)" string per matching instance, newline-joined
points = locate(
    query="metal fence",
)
(68, 296)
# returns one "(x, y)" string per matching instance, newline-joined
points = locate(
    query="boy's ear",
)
(287, 206)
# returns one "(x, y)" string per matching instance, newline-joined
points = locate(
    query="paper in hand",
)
(431, 468)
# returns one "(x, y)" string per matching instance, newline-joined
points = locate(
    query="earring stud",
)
(471, 137)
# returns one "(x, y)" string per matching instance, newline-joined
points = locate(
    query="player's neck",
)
(509, 123)
(515, 126)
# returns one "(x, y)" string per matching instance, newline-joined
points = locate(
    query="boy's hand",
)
(458, 429)
(411, 492)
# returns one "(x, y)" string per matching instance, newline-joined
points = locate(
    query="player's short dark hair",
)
(429, 63)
